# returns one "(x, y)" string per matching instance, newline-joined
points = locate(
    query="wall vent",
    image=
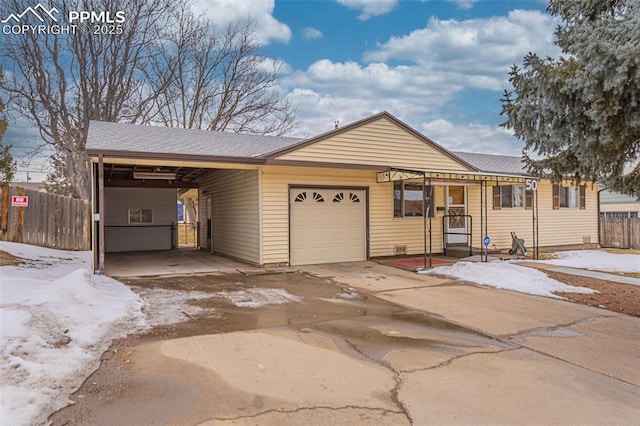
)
(400, 249)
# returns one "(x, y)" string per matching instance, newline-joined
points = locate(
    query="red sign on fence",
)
(19, 201)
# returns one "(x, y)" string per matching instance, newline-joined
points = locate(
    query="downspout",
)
(482, 246)
(94, 229)
(432, 203)
(101, 214)
(424, 221)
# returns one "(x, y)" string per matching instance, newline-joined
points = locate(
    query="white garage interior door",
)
(327, 225)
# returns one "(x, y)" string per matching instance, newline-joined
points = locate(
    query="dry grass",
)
(616, 297)
(6, 259)
(622, 251)
(541, 256)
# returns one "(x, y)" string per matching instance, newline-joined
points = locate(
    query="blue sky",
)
(440, 66)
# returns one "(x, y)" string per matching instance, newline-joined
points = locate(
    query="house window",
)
(569, 196)
(138, 216)
(408, 199)
(511, 196)
(528, 199)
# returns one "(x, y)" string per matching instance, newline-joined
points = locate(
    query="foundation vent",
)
(400, 249)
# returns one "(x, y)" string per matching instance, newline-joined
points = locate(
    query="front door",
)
(456, 208)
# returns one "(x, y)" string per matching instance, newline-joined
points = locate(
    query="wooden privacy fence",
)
(622, 232)
(48, 220)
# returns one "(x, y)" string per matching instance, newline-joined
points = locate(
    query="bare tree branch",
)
(166, 66)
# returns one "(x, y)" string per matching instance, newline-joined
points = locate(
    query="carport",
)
(138, 171)
(138, 200)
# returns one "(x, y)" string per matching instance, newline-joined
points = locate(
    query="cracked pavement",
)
(400, 348)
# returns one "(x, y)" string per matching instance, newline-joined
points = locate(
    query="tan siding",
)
(235, 215)
(500, 223)
(385, 230)
(381, 142)
(565, 226)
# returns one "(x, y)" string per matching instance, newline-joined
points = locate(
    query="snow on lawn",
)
(507, 276)
(56, 320)
(599, 260)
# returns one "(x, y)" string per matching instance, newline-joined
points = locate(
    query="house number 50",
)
(531, 184)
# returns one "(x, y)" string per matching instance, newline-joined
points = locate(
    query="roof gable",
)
(380, 140)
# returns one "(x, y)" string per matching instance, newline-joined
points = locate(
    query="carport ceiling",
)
(125, 175)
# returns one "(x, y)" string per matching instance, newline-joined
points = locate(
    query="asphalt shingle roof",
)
(105, 136)
(494, 163)
(120, 137)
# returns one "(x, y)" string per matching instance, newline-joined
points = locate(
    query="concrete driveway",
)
(372, 344)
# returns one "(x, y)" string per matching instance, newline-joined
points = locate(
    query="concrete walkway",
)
(621, 279)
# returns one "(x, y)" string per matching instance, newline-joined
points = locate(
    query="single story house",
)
(373, 188)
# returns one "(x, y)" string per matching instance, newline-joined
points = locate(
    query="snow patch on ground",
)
(508, 276)
(599, 260)
(257, 297)
(57, 320)
(164, 306)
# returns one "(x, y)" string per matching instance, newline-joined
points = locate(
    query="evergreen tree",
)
(579, 115)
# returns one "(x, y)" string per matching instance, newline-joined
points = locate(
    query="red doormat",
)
(418, 263)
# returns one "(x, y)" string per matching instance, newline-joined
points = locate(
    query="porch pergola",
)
(484, 179)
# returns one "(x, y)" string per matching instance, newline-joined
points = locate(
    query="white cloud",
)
(311, 33)
(374, 81)
(347, 91)
(464, 4)
(224, 12)
(476, 52)
(369, 8)
(481, 138)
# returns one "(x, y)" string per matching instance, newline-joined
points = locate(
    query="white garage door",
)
(327, 225)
